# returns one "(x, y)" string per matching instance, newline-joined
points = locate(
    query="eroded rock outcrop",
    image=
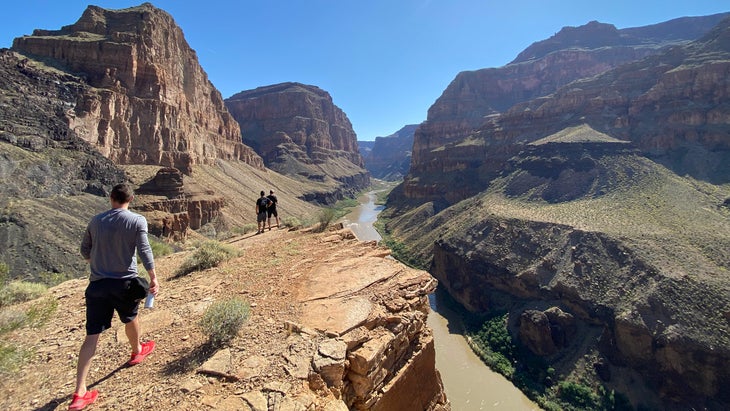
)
(382, 356)
(299, 131)
(149, 102)
(172, 208)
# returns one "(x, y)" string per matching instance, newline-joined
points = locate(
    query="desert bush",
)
(160, 248)
(11, 358)
(35, 316)
(247, 228)
(291, 222)
(209, 254)
(325, 218)
(20, 291)
(222, 320)
(39, 313)
(11, 319)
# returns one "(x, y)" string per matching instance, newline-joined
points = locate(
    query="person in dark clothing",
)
(261, 205)
(110, 243)
(272, 208)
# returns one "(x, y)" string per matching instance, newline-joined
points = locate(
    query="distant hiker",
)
(109, 245)
(261, 205)
(272, 208)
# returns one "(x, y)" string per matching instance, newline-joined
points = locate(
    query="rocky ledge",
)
(335, 324)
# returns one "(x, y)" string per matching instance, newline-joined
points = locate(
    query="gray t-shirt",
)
(110, 242)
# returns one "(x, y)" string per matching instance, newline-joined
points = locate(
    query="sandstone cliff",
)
(473, 102)
(299, 131)
(149, 102)
(390, 157)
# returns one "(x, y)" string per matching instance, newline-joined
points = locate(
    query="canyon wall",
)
(484, 116)
(149, 102)
(390, 157)
(299, 131)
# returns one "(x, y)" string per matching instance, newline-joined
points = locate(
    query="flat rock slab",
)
(342, 277)
(221, 364)
(333, 294)
(338, 315)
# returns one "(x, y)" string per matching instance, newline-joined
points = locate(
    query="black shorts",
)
(261, 217)
(105, 296)
(271, 211)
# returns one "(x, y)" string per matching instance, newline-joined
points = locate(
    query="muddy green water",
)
(469, 384)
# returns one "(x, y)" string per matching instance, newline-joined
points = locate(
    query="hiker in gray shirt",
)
(109, 246)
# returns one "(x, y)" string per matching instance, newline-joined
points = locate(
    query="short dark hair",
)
(271, 191)
(122, 193)
(263, 193)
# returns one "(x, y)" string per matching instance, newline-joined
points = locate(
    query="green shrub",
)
(325, 218)
(247, 228)
(11, 319)
(160, 248)
(494, 345)
(222, 320)
(11, 357)
(39, 314)
(209, 254)
(578, 395)
(20, 291)
(291, 222)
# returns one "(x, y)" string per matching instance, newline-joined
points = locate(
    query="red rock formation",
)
(299, 131)
(390, 156)
(151, 102)
(488, 104)
(172, 208)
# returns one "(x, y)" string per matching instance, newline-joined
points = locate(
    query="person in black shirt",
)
(261, 205)
(272, 208)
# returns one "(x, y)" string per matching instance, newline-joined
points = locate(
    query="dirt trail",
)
(269, 274)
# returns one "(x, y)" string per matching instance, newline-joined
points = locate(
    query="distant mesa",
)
(300, 132)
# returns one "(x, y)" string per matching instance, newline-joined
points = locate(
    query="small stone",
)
(190, 385)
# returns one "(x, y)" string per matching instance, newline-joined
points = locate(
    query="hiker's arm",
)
(154, 285)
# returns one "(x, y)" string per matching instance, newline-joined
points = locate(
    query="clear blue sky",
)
(383, 61)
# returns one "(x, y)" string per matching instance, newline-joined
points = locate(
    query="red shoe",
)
(147, 349)
(80, 402)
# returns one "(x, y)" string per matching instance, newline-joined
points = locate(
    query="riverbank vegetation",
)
(490, 339)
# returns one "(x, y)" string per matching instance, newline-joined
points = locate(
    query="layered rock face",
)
(382, 356)
(670, 329)
(149, 102)
(390, 157)
(171, 208)
(51, 181)
(299, 131)
(474, 103)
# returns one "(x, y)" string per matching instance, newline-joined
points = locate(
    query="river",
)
(469, 384)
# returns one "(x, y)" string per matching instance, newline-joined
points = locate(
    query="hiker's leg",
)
(86, 353)
(133, 330)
